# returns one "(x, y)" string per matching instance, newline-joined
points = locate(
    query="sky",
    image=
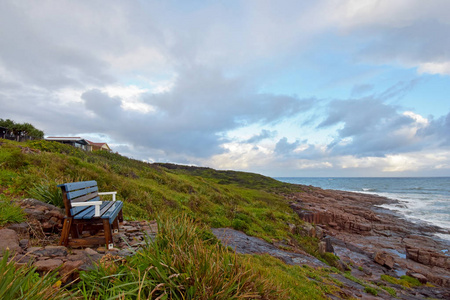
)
(281, 88)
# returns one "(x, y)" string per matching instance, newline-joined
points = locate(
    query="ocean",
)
(419, 198)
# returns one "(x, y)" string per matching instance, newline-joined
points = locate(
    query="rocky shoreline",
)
(376, 239)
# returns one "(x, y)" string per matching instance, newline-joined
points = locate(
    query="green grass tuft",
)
(10, 212)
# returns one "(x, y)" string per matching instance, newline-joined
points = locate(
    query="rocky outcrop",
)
(425, 251)
(375, 239)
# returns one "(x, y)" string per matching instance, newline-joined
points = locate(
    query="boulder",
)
(384, 259)
(9, 241)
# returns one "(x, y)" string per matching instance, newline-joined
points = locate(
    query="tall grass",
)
(48, 193)
(24, 283)
(182, 263)
(10, 212)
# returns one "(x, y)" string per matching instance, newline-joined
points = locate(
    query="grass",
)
(10, 212)
(404, 281)
(183, 263)
(24, 283)
(186, 260)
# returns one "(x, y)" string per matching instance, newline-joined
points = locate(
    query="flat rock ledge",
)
(33, 242)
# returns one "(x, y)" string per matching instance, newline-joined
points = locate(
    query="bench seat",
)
(108, 210)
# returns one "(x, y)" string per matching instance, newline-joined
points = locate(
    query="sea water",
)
(420, 199)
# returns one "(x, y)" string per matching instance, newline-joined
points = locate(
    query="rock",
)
(319, 232)
(342, 266)
(332, 224)
(384, 259)
(9, 241)
(47, 265)
(24, 243)
(69, 270)
(20, 228)
(425, 251)
(53, 251)
(422, 279)
(322, 247)
(328, 244)
(90, 251)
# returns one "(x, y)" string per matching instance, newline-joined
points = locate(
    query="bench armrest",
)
(109, 193)
(90, 203)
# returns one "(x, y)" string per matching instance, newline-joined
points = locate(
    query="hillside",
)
(187, 202)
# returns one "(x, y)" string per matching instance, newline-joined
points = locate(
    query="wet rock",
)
(9, 241)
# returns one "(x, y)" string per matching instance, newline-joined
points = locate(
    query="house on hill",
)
(75, 141)
(99, 146)
(79, 142)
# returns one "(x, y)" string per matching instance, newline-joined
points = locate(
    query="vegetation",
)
(24, 283)
(179, 264)
(185, 259)
(405, 281)
(21, 129)
(10, 212)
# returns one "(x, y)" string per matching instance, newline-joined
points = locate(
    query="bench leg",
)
(120, 216)
(108, 234)
(65, 232)
(116, 225)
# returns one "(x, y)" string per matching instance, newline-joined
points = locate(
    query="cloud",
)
(264, 134)
(410, 33)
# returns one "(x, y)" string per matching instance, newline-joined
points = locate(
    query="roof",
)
(67, 138)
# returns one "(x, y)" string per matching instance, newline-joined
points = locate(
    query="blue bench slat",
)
(74, 211)
(110, 214)
(78, 185)
(78, 193)
(90, 213)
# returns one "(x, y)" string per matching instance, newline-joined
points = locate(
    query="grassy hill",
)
(205, 197)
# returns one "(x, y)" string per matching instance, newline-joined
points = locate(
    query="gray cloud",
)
(265, 134)
(373, 128)
(190, 119)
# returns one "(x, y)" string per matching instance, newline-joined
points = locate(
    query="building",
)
(79, 142)
(99, 146)
(75, 141)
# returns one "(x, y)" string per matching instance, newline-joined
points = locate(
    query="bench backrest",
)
(82, 191)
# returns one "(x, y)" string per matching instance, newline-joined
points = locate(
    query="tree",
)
(21, 129)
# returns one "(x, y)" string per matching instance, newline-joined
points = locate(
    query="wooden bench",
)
(85, 212)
